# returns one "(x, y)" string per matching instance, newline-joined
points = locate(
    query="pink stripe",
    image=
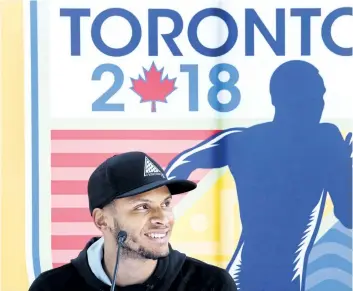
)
(64, 256)
(69, 201)
(131, 134)
(83, 173)
(118, 146)
(93, 160)
(74, 228)
(70, 174)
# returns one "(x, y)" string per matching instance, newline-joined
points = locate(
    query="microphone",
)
(121, 238)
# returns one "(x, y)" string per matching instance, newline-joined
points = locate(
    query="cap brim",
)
(175, 187)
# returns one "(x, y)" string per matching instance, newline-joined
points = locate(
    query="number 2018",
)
(100, 104)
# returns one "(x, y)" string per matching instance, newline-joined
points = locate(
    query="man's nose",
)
(159, 217)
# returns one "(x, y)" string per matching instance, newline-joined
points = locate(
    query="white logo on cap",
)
(151, 169)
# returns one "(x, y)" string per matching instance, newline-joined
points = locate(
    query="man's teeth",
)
(156, 235)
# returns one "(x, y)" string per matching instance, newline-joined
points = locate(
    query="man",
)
(130, 192)
(283, 171)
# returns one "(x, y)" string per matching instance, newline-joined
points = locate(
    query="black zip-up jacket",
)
(177, 272)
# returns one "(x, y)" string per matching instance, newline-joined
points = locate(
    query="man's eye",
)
(142, 207)
(167, 203)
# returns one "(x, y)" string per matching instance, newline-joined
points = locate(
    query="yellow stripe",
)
(13, 260)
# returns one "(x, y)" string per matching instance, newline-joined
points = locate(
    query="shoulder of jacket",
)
(213, 276)
(204, 267)
(53, 278)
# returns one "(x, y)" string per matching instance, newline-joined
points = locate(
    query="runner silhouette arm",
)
(209, 154)
(340, 175)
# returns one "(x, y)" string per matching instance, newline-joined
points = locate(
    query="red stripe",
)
(69, 187)
(132, 134)
(70, 215)
(72, 187)
(64, 242)
(94, 159)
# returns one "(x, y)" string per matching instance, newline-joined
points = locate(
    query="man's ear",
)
(100, 219)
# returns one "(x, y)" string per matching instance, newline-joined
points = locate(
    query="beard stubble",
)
(127, 251)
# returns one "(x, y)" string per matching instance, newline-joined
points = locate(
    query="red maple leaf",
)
(153, 88)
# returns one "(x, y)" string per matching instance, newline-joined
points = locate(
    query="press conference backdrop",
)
(195, 85)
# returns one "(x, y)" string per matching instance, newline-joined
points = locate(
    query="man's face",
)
(148, 220)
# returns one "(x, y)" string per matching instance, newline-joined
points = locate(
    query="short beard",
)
(141, 253)
(127, 252)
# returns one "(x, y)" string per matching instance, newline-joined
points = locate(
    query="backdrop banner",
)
(251, 100)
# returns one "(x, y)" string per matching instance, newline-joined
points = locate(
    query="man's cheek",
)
(171, 219)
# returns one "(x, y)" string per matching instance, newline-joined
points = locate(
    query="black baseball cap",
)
(129, 174)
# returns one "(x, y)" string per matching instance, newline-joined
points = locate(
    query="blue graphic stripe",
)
(334, 235)
(338, 226)
(329, 261)
(332, 274)
(35, 137)
(330, 285)
(330, 248)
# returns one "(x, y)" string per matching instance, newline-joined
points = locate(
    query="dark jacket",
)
(177, 272)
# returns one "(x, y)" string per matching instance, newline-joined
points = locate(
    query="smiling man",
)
(130, 192)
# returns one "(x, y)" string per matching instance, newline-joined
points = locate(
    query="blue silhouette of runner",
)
(283, 170)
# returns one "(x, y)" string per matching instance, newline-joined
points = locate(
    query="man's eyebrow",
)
(136, 200)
